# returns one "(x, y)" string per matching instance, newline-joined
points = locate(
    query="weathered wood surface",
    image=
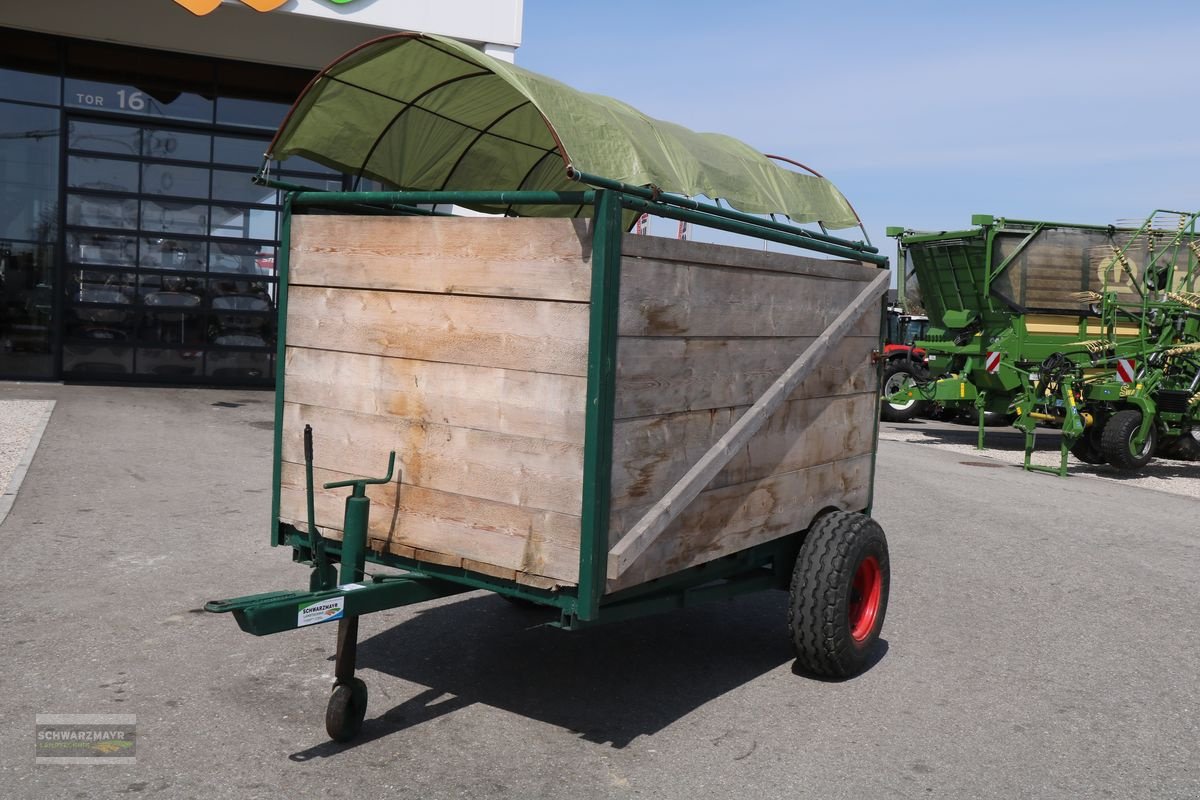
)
(406, 518)
(642, 534)
(462, 345)
(531, 404)
(733, 518)
(521, 471)
(652, 453)
(666, 375)
(529, 335)
(529, 258)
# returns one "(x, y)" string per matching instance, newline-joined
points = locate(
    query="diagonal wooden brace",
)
(639, 538)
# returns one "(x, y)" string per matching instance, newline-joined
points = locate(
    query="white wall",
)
(301, 33)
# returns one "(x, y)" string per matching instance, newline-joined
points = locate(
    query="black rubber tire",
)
(1181, 448)
(822, 608)
(894, 374)
(1087, 447)
(346, 710)
(1115, 441)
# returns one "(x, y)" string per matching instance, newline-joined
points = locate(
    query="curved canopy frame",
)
(423, 112)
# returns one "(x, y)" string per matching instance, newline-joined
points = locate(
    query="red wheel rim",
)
(865, 591)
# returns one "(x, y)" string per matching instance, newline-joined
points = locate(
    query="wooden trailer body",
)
(464, 346)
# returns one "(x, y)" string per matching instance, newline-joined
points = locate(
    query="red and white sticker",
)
(992, 362)
(1126, 370)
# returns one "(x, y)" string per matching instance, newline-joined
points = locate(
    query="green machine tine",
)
(601, 391)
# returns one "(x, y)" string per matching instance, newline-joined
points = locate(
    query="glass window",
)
(104, 138)
(93, 359)
(238, 365)
(96, 211)
(173, 253)
(31, 70)
(251, 113)
(172, 179)
(171, 325)
(170, 363)
(243, 258)
(29, 144)
(239, 187)
(26, 304)
(247, 223)
(102, 286)
(176, 145)
(94, 323)
(144, 82)
(101, 249)
(174, 217)
(102, 174)
(240, 152)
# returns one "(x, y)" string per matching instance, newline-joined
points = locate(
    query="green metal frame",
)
(760, 567)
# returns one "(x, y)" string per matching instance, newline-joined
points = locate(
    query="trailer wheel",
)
(839, 594)
(1116, 442)
(1087, 447)
(895, 375)
(346, 710)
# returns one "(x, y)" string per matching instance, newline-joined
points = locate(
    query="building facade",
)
(133, 244)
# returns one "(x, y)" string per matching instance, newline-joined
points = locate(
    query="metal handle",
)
(360, 484)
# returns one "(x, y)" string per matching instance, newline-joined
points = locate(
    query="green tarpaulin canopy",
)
(422, 112)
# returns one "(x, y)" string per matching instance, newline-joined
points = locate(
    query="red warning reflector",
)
(1126, 370)
(992, 362)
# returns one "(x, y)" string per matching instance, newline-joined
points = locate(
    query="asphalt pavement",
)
(1041, 642)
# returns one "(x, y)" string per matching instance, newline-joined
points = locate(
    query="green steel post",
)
(281, 295)
(601, 380)
(354, 538)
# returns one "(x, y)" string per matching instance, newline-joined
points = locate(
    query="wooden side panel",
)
(701, 339)
(405, 519)
(461, 344)
(529, 335)
(531, 259)
(733, 518)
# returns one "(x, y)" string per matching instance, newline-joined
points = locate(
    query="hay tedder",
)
(1093, 330)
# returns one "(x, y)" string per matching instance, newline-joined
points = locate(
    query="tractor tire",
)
(1116, 442)
(1181, 448)
(839, 595)
(1087, 448)
(895, 374)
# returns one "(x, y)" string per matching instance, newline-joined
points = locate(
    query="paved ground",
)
(1041, 642)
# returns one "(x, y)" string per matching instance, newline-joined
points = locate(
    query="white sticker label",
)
(350, 587)
(320, 611)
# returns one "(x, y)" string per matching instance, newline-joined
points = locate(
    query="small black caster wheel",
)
(346, 710)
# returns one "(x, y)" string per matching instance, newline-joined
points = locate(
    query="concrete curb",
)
(14, 484)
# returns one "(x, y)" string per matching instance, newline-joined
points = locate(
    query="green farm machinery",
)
(1093, 330)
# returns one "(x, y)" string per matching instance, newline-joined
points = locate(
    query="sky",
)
(921, 113)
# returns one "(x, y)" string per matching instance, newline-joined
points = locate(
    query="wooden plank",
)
(665, 375)
(651, 453)
(440, 527)
(531, 404)
(730, 519)
(528, 335)
(660, 298)
(635, 542)
(499, 257)
(517, 470)
(663, 249)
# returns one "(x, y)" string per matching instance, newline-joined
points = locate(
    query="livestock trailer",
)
(562, 412)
